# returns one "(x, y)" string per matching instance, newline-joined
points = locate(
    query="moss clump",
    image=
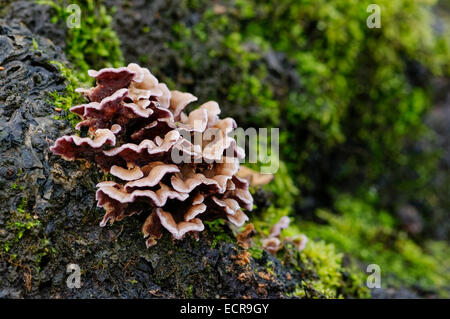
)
(65, 100)
(361, 98)
(369, 235)
(323, 272)
(16, 186)
(350, 122)
(256, 252)
(220, 232)
(21, 221)
(213, 45)
(94, 44)
(24, 246)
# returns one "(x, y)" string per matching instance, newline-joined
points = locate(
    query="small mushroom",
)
(135, 126)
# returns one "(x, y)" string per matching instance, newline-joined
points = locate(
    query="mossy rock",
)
(49, 219)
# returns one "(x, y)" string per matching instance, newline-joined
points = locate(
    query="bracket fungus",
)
(178, 169)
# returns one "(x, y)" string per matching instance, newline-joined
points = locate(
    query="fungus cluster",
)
(178, 169)
(273, 243)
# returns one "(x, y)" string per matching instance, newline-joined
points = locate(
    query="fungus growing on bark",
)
(178, 169)
(253, 177)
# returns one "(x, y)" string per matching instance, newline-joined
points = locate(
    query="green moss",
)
(219, 229)
(351, 121)
(256, 252)
(145, 29)
(320, 264)
(65, 100)
(35, 44)
(356, 92)
(283, 187)
(216, 226)
(25, 246)
(270, 267)
(323, 273)
(352, 124)
(16, 186)
(94, 44)
(371, 236)
(346, 127)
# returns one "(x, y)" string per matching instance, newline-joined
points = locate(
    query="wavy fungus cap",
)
(135, 125)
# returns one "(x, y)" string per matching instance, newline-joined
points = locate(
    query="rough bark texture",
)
(48, 216)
